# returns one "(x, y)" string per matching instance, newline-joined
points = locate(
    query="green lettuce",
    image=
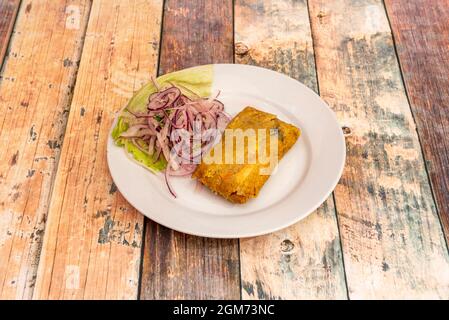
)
(196, 79)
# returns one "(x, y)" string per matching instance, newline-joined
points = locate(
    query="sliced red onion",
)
(136, 143)
(164, 98)
(183, 170)
(151, 144)
(167, 182)
(134, 131)
(139, 115)
(169, 110)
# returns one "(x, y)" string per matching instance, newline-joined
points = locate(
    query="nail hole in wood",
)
(241, 49)
(346, 131)
(287, 246)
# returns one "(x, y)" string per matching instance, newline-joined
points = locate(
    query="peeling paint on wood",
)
(8, 9)
(393, 245)
(94, 235)
(303, 261)
(31, 115)
(205, 36)
(421, 32)
(275, 34)
(176, 265)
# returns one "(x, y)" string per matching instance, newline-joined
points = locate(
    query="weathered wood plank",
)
(179, 266)
(303, 261)
(35, 93)
(8, 12)
(421, 33)
(93, 239)
(195, 33)
(393, 245)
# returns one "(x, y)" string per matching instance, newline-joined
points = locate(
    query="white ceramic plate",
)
(304, 179)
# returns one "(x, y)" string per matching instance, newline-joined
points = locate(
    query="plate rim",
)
(239, 234)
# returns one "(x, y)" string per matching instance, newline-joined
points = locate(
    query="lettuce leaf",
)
(196, 79)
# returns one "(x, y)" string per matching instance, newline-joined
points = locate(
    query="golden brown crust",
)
(240, 182)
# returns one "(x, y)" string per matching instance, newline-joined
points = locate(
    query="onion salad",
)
(177, 127)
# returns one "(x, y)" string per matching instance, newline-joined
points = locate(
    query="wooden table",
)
(67, 233)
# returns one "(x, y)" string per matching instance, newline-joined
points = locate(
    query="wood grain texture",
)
(176, 265)
(35, 93)
(93, 239)
(195, 33)
(303, 261)
(8, 12)
(393, 245)
(421, 32)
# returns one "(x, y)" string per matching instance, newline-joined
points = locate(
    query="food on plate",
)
(173, 125)
(159, 124)
(236, 181)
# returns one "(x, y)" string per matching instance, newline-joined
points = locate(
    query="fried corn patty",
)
(239, 182)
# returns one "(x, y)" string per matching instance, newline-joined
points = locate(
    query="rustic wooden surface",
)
(176, 265)
(8, 12)
(421, 33)
(35, 93)
(93, 238)
(379, 236)
(303, 261)
(392, 241)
